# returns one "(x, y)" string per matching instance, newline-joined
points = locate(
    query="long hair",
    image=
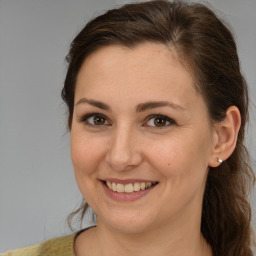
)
(206, 46)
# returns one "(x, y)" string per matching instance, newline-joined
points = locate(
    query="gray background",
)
(37, 187)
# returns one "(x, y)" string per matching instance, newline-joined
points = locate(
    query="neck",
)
(162, 241)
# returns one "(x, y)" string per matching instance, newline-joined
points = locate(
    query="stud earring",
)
(220, 160)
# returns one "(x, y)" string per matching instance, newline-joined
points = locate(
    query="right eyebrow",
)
(94, 103)
(156, 104)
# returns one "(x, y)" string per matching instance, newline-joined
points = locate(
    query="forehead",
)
(148, 70)
(154, 55)
(148, 59)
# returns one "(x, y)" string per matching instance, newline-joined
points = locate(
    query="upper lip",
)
(127, 181)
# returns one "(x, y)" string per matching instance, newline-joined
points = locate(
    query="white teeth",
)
(129, 188)
(136, 186)
(113, 186)
(120, 188)
(109, 184)
(148, 184)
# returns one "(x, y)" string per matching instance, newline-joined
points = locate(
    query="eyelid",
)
(84, 119)
(170, 120)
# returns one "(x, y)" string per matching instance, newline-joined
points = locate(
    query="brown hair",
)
(208, 48)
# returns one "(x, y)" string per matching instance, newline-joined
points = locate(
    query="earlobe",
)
(226, 132)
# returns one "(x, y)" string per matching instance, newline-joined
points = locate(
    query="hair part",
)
(206, 46)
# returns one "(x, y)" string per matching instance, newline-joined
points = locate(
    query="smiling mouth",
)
(130, 187)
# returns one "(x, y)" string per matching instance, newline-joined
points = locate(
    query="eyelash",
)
(161, 117)
(85, 118)
(170, 121)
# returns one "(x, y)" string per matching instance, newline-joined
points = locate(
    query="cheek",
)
(180, 156)
(85, 154)
(167, 157)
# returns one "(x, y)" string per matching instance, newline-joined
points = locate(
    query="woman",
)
(157, 113)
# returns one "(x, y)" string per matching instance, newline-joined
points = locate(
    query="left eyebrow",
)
(155, 104)
(94, 103)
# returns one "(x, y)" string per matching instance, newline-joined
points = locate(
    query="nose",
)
(124, 150)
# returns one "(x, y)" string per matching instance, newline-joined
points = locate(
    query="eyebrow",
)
(155, 104)
(94, 103)
(140, 108)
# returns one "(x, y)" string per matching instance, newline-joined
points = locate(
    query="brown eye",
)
(159, 122)
(99, 120)
(94, 119)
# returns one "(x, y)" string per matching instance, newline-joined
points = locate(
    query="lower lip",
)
(125, 197)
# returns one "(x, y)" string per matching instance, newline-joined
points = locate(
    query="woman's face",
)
(139, 122)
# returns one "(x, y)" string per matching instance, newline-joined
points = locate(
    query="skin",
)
(127, 144)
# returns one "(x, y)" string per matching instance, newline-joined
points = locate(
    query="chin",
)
(131, 223)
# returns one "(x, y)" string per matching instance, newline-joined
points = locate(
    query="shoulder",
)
(61, 246)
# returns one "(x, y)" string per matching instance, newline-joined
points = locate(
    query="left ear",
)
(225, 136)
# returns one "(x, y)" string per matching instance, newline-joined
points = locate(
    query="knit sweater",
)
(61, 246)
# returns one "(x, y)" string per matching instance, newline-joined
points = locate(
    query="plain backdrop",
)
(37, 186)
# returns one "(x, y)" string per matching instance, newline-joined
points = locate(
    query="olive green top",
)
(61, 246)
